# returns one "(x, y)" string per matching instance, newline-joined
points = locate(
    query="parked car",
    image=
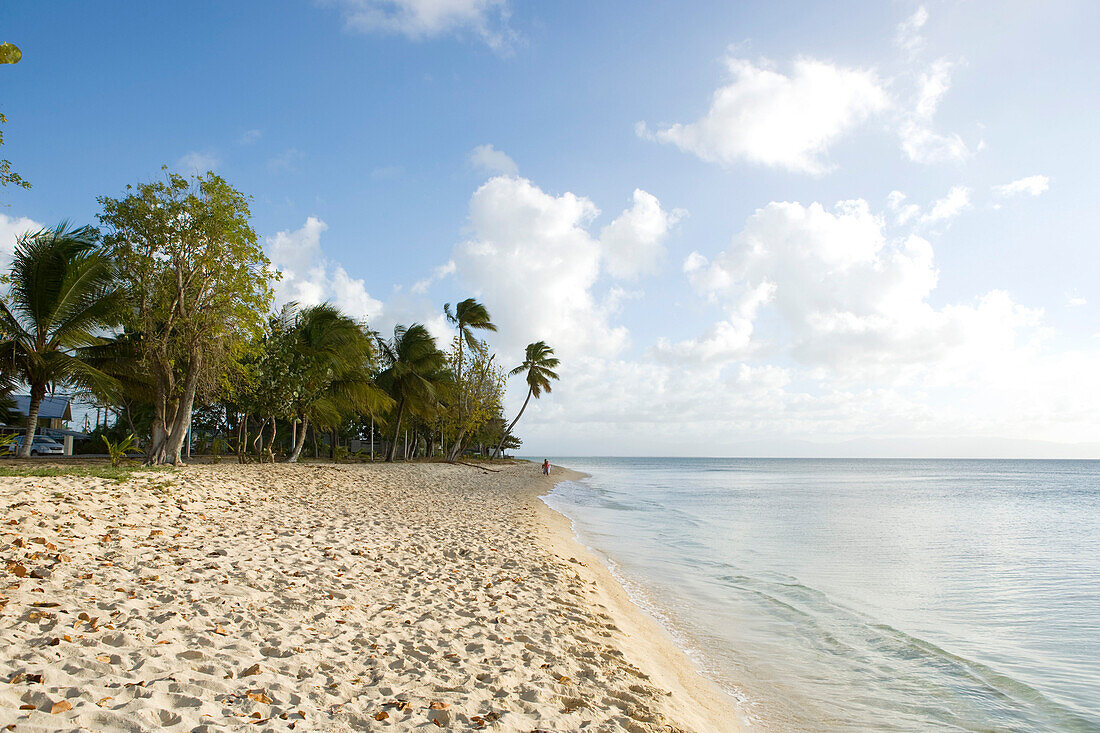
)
(42, 446)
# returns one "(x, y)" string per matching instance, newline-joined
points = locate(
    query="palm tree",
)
(467, 316)
(414, 375)
(334, 358)
(539, 363)
(63, 294)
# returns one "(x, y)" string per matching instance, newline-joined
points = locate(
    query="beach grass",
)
(119, 473)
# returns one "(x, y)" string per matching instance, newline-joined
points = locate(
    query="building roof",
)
(53, 406)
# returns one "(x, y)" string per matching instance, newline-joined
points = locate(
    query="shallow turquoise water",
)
(841, 595)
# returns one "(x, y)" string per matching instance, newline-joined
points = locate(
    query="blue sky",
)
(721, 308)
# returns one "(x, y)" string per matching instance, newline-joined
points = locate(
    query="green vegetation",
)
(166, 318)
(117, 451)
(415, 374)
(200, 288)
(119, 473)
(10, 53)
(63, 294)
(539, 364)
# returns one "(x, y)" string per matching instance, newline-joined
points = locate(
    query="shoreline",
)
(694, 699)
(324, 597)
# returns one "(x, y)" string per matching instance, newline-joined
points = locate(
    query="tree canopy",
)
(199, 286)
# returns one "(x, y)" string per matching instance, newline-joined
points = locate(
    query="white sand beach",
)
(323, 597)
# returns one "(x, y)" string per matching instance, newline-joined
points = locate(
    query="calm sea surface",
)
(846, 595)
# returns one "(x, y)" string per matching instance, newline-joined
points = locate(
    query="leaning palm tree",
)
(467, 316)
(415, 371)
(63, 295)
(539, 363)
(334, 357)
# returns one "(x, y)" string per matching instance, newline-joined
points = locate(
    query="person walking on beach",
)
(546, 466)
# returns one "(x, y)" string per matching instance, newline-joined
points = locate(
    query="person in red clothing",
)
(546, 466)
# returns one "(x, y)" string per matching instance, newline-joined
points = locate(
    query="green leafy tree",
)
(539, 363)
(271, 381)
(199, 288)
(468, 316)
(414, 374)
(474, 402)
(63, 294)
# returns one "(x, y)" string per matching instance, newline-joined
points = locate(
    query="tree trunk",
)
(258, 442)
(271, 441)
(508, 430)
(293, 458)
(242, 441)
(38, 392)
(182, 422)
(316, 453)
(396, 431)
(456, 446)
(158, 432)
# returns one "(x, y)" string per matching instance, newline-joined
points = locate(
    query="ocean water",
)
(858, 595)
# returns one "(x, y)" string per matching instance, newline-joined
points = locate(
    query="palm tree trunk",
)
(396, 431)
(38, 392)
(508, 431)
(300, 443)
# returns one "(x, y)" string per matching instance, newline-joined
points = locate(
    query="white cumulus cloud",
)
(11, 228)
(310, 278)
(782, 120)
(850, 296)
(534, 260)
(634, 243)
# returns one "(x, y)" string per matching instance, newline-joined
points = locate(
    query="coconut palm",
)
(334, 357)
(415, 374)
(539, 363)
(63, 294)
(468, 316)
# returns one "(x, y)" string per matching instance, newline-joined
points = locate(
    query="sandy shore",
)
(320, 597)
